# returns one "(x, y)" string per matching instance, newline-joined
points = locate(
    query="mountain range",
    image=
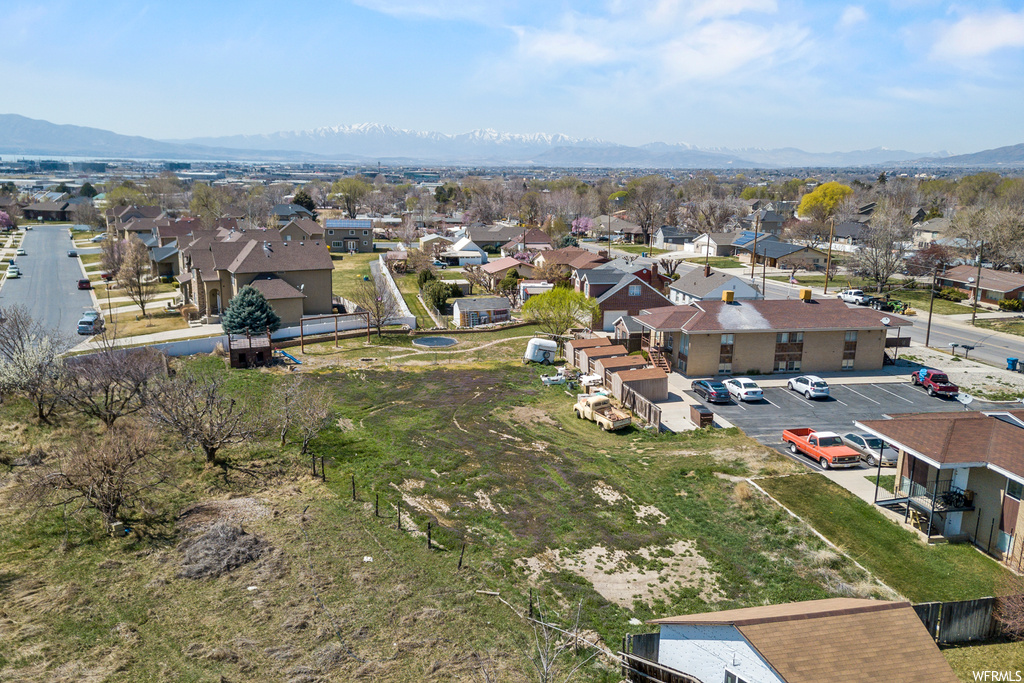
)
(374, 142)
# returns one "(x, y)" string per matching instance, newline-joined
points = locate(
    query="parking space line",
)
(862, 395)
(889, 392)
(774, 404)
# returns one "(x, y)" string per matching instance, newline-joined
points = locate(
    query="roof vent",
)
(267, 250)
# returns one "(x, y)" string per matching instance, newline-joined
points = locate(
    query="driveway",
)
(48, 286)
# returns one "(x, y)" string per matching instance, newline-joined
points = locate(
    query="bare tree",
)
(31, 360)
(135, 274)
(883, 244)
(112, 255)
(115, 474)
(87, 214)
(198, 408)
(312, 416)
(374, 296)
(407, 232)
(112, 383)
(1010, 605)
(553, 648)
(812, 233)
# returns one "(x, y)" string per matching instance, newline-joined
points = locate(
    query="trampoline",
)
(434, 342)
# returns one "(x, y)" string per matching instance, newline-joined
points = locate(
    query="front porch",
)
(653, 344)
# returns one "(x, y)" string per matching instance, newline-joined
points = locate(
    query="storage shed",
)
(480, 311)
(573, 347)
(608, 366)
(588, 357)
(651, 383)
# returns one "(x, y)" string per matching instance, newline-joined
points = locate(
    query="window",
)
(287, 238)
(634, 290)
(787, 366)
(728, 339)
(1014, 489)
(851, 336)
(365, 233)
(789, 338)
(730, 677)
(351, 232)
(330, 232)
(364, 243)
(725, 368)
(847, 364)
(339, 245)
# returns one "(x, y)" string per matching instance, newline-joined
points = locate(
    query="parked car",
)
(437, 263)
(811, 386)
(599, 409)
(743, 389)
(99, 238)
(72, 253)
(106, 277)
(90, 323)
(936, 382)
(868, 301)
(13, 272)
(851, 296)
(84, 284)
(825, 447)
(872, 449)
(21, 252)
(713, 392)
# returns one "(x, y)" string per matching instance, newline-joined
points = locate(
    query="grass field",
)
(639, 249)
(917, 298)
(921, 573)
(1002, 656)
(627, 525)
(88, 259)
(158, 320)
(717, 261)
(886, 482)
(1009, 326)
(408, 287)
(349, 271)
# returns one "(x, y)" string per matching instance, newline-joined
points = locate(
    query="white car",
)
(99, 238)
(20, 252)
(811, 386)
(851, 296)
(13, 272)
(743, 389)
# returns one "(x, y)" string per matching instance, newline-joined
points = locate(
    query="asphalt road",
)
(783, 409)
(48, 286)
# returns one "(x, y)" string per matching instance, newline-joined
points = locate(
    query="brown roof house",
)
(496, 270)
(961, 475)
(995, 284)
(836, 640)
(295, 277)
(606, 367)
(302, 230)
(617, 294)
(535, 240)
(708, 338)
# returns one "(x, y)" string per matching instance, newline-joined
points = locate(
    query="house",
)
(617, 294)
(491, 237)
(396, 261)
(927, 232)
(435, 243)
(588, 357)
(961, 474)
(628, 332)
(164, 260)
(651, 383)
(470, 312)
(496, 270)
(668, 236)
(629, 232)
(647, 269)
(465, 253)
(728, 243)
(294, 276)
(535, 240)
(778, 254)
(282, 214)
(573, 347)
(606, 367)
(48, 211)
(838, 640)
(994, 284)
(347, 235)
(116, 215)
(761, 336)
(302, 230)
(848, 232)
(765, 220)
(704, 284)
(568, 259)
(531, 288)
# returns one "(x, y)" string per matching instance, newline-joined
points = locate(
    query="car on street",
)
(710, 391)
(811, 386)
(13, 272)
(72, 253)
(743, 389)
(20, 252)
(90, 323)
(872, 449)
(84, 284)
(851, 296)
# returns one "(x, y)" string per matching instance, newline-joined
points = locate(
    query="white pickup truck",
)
(599, 409)
(851, 296)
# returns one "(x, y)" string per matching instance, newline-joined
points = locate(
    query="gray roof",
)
(850, 229)
(290, 210)
(775, 249)
(601, 275)
(493, 233)
(630, 324)
(163, 253)
(483, 303)
(695, 284)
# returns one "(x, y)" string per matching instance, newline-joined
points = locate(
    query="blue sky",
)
(912, 74)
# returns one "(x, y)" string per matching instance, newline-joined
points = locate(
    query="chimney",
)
(655, 278)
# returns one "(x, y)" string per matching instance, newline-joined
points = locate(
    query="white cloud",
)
(562, 47)
(978, 35)
(721, 48)
(852, 15)
(716, 9)
(479, 11)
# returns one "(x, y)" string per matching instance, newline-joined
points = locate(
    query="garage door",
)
(609, 320)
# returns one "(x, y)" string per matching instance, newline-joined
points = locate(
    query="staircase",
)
(658, 360)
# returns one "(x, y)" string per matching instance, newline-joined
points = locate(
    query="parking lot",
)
(783, 409)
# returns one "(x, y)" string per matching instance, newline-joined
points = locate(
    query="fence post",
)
(376, 505)
(323, 469)
(461, 555)
(399, 511)
(428, 536)
(353, 486)
(531, 603)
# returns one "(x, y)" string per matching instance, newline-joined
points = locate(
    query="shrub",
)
(425, 276)
(1011, 305)
(222, 548)
(951, 294)
(189, 312)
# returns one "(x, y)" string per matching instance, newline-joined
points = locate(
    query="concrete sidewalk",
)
(156, 338)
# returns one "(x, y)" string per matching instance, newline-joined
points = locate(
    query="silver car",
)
(743, 389)
(811, 386)
(871, 448)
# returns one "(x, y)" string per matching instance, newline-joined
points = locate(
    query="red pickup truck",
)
(825, 447)
(936, 382)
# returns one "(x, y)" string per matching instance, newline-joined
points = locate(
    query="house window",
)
(847, 364)
(365, 233)
(1014, 489)
(330, 232)
(851, 336)
(728, 339)
(364, 243)
(787, 365)
(337, 245)
(725, 368)
(634, 290)
(351, 232)
(730, 677)
(789, 338)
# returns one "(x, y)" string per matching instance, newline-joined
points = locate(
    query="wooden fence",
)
(643, 645)
(646, 410)
(960, 622)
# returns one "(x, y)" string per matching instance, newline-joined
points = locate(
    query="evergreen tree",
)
(303, 199)
(87, 190)
(249, 311)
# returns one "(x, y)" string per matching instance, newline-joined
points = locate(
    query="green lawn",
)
(887, 482)
(917, 298)
(1009, 326)
(639, 249)
(349, 271)
(922, 573)
(717, 261)
(970, 658)
(88, 259)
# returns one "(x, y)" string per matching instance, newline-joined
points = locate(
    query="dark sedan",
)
(712, 392)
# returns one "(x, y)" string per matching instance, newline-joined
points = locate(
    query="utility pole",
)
(931, 304)
(753, 252)
(977, 284)
(828, 260)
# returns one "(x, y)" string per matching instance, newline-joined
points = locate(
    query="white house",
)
(836, 640)
(465, 253)
(704, 284)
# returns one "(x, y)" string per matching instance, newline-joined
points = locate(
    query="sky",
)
(920, 75)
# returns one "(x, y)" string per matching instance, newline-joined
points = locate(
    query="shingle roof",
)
(630, 324)
(577, 344)
(483, 303)
(849, 229)
(493, 233)
(774, 248)
(968, 437)
(695, 284)
(642, 374)
(501, 264)
(290, 210)
(601, 276)
(667, 317)
(622, 362)
(768, 314)
(533, 236)
(587, 260)
(992, 280)
(596, 352)
(837, 640)
(565, 255)
(163, 253)
(274, 288)
(306, 225)
(260, 257)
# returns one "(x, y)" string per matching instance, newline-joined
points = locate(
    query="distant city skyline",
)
(903, 74)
